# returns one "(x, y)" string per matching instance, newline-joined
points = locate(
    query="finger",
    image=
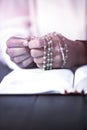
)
(39, 52)
(17, 51)
(38, 60)
(16, 42)
(57, 61)
(27, 62)
(36, 43)
(19, 59)
(36, 52)
(40, 65)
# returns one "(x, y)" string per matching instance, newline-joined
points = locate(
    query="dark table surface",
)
(42, 112)
(4, 70)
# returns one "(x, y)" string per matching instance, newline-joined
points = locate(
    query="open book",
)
(35, 81)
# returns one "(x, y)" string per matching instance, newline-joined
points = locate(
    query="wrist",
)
(76, 55)
(81, 52)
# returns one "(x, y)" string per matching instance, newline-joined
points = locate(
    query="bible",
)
(38, 81)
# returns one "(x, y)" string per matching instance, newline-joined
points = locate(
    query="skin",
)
(76, 54)
(19, 53)
(29, 52)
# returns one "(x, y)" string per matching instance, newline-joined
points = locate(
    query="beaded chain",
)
(48, 53)
(63, 50)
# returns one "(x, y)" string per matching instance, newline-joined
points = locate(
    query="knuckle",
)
(9, 41)
(16, 60)
(10, 52)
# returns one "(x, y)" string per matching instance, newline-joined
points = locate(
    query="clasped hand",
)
(29, 52)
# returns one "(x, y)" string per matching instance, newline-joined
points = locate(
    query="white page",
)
(80, 81)
(33, 81)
